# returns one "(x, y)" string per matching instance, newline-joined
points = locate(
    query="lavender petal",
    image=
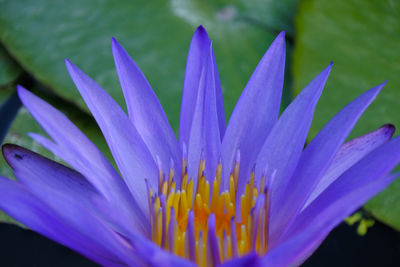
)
(204, 139)
(145, 110)
(127, 147)
(318, 155)
(256, 111)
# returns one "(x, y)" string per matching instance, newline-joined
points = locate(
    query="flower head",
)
(245, 194)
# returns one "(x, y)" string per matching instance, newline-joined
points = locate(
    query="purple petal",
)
(76, 149)
(219, 99)
(41, 175)
(153, 255)
(145, 110)
(70, 143)
(191, 237)
(350, 153)
(283, 147)
(198, 56)
(256, 111)
(212, 241)
(299, 247)
(204, 137)
(162, 258)
(131, 154)
(64, 221)
(372, 167)
(318, 155)
(249, 260)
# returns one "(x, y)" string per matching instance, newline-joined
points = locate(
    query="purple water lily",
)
(243, 195)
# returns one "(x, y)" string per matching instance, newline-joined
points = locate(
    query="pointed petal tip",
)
(377, 89)
(329, 67)
(73, 70)
(20, 87)
(390, 129)
(21, 91)
(383, 84)
(327, 70)
(201, 33)
(25, 95)
(4, 149)
(32, 134)
(280, 39)
(282, 34)
(115, 45)
(119, 53)
(201, 30)
(278, 46)
(7, 146)
(8, 151)
(70, 66)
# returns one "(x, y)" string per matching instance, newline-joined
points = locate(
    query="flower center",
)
(198, 222)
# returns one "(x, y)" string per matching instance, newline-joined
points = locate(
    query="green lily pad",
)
(272, 14)
(157, 34)
(361, 38)
(9, 69)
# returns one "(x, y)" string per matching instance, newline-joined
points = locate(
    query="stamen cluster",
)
(198, 222)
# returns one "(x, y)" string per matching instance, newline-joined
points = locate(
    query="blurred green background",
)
(361, 37)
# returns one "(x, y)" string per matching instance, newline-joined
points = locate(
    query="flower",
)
(245, 194)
